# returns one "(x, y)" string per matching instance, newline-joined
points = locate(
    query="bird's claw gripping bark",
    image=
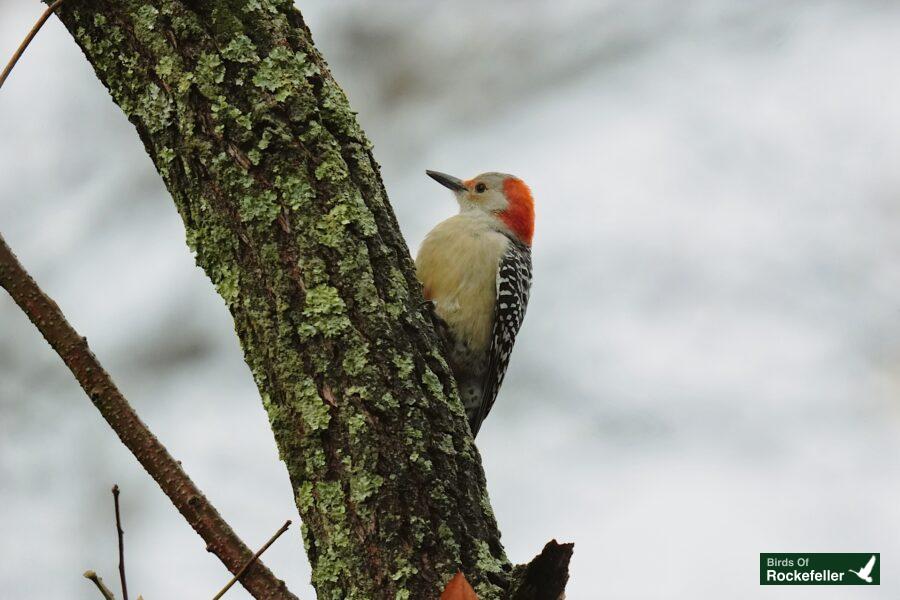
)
(439, 324)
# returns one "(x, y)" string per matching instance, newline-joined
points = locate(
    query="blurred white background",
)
(709, 367)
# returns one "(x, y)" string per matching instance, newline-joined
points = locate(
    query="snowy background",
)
(710, 367)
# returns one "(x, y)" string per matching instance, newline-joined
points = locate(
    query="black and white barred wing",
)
(513, 286)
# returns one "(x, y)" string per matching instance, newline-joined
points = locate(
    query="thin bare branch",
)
(121, 535)
(166, 471)
(107, 594)
(259, 552)
(21, 49)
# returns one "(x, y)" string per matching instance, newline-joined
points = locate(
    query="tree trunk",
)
(286, 212)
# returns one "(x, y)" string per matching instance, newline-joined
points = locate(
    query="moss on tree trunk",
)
(286, 212)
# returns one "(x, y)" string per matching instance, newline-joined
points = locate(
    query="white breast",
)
(457, 265)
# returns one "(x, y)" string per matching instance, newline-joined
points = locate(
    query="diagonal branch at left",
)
(220, 539)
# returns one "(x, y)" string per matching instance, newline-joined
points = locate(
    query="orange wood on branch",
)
(458, 589)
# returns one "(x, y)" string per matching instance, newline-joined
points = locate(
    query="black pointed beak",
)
(448, 181)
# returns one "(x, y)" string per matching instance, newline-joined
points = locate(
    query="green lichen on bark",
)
(284, 209)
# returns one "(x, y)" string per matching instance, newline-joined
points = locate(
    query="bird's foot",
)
(431, 308)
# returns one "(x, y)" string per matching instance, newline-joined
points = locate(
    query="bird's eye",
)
(480, 188)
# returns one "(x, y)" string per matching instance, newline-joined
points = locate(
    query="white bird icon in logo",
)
(866, 572)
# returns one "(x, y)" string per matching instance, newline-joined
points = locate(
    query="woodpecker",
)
(475, 268)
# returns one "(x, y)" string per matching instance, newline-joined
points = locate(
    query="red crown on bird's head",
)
(519, 215)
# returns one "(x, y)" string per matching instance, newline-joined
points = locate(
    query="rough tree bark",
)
(284, 207)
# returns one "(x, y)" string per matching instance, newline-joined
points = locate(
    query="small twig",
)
(108, 595)
(265, 547)
(21, 49)
(121, 535)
